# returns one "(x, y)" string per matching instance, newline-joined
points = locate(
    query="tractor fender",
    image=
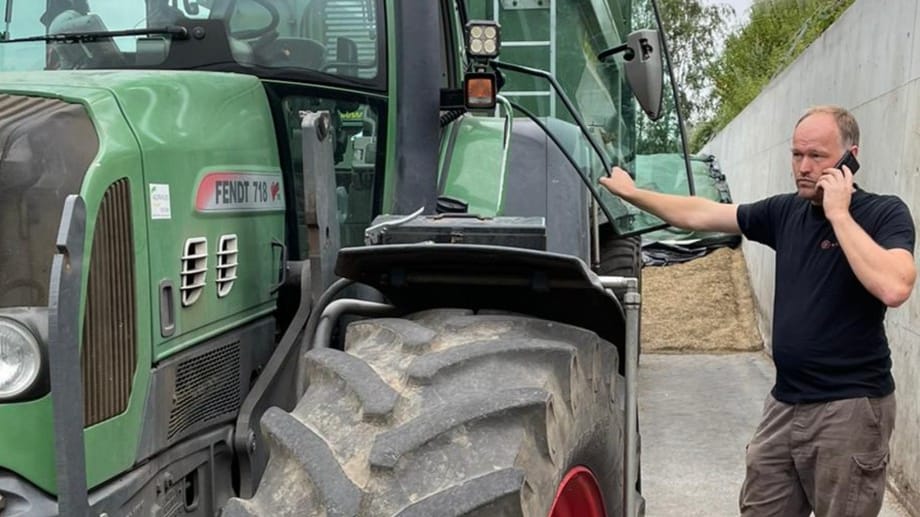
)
(542, 284)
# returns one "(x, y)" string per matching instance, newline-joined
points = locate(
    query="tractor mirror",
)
(644, 63)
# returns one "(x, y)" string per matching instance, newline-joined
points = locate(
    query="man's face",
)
(816, 146)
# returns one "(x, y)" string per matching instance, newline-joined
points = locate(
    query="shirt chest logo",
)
(827, 244)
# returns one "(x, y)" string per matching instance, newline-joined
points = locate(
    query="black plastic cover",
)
(515, 232)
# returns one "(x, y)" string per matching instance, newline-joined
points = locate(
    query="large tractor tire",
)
(621, 256)
(446, 413)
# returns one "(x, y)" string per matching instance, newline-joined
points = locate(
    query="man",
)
(843, 256)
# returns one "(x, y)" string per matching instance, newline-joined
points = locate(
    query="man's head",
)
(820, 138)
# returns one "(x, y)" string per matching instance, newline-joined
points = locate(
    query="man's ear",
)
(854, 150)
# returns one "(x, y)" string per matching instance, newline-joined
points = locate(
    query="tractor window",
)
(358, 157)
(564, 37)
(335, 37)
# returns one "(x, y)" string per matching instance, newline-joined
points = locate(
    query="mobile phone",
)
(849, 160)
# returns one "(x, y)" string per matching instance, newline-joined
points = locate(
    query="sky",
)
(741, 7)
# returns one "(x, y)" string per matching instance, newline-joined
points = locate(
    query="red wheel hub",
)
(578, 496)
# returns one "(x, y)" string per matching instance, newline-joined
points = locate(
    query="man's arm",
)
(889, 274)
(688, 212)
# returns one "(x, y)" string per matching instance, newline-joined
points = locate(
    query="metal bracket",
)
(320, 198)
(632, 303)
(64, 359)
(511, 5)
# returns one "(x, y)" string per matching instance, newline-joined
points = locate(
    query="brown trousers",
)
(827, 457)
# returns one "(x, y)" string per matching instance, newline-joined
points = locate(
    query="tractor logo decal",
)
(239, 192)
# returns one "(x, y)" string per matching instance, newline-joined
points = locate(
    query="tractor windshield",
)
(265, 37)
(564, 37)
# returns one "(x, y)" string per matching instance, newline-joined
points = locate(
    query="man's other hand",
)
(619, 183)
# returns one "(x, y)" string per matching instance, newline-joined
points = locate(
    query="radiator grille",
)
(109, 327)
(207, 387)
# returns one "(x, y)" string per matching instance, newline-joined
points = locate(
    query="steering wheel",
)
(270, 28)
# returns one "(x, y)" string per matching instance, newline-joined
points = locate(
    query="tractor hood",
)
(120, 139)
(57, 129)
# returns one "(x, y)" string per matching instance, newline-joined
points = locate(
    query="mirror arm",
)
(628, 55)
(7, 19)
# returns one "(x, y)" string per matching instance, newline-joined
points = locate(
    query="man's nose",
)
(806, 165)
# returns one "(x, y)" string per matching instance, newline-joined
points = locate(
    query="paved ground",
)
(697, 412)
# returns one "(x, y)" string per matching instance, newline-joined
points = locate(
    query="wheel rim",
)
(578, 496)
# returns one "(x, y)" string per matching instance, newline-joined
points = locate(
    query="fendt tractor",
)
(323, 257)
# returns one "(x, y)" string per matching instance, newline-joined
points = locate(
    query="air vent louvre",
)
(194, 269)
(227, 261)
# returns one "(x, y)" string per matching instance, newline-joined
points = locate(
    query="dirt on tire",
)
(704, 305)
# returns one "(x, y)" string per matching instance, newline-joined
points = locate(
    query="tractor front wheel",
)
(446, 413)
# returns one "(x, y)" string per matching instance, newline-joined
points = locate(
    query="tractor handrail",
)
(565, 101)
(64, 359)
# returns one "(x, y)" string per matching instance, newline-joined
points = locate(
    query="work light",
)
(482, 39)
(20, 359)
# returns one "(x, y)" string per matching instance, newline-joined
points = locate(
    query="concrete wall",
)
(868, 62)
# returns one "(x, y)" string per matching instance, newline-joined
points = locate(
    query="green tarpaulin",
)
(665, 173)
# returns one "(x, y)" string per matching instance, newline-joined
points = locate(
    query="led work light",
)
(483, 39)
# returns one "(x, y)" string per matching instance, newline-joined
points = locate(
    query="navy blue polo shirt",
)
(829, 338)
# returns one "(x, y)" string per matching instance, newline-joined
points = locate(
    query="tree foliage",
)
(693, 29)
(778, 31)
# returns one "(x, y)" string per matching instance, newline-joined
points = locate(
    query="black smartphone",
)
(849, 160)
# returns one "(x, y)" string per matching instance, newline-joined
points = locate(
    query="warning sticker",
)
(159, 201)
(239, 192)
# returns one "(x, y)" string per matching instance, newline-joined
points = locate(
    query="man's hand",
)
(837, 188)
(619, 183)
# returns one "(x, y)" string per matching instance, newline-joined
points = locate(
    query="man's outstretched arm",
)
(688, 212)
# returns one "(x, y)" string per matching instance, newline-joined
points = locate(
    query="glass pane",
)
(358, 153)
(577, 31)
(338, 37)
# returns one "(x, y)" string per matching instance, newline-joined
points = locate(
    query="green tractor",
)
(322, 257)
